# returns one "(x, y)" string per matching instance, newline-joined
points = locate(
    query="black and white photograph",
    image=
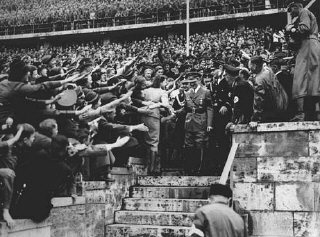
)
(159, 118)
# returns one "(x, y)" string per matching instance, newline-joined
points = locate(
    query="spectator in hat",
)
(218, 219)
(306, 82)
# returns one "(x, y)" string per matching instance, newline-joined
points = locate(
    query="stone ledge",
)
(136, 161)
(67, 201)
(92, 185)
(154, 218)
(177, 181)
(123, 230)
(23, 224)
(121, 171)
(165, 205)
(278, 127)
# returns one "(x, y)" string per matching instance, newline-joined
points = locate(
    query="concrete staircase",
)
(161, 206)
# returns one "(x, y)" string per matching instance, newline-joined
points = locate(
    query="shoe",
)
(299, 117)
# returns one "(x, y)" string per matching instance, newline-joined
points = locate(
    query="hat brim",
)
(68, 98)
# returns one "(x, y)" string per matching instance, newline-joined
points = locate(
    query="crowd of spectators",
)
(83, 108)
(115, 12)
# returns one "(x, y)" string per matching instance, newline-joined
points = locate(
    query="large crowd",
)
(37, 12)
(72, 112)
(77, 110)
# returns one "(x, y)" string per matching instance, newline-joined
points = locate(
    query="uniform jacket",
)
(221, 94)
(270, 99)
(219, 220)
(201, 103)
(242, 93)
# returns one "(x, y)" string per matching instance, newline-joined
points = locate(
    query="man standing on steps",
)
(217, 219)
(199, 117)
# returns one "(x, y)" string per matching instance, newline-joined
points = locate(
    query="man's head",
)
(244, 74)
(294, 6)
(28, 135)
(220, 193)
(231, 73)
(256, 64)
(148, 73)
(194, 79)
(49, 127)
(18, 71)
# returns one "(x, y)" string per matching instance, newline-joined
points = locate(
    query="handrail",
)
(228, 165)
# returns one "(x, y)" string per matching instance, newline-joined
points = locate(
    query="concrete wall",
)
(276, 176)
(85, 215)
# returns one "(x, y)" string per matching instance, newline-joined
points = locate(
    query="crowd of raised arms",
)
(24, 12)
(82, 108)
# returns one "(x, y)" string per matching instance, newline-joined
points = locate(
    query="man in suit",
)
(199, 117)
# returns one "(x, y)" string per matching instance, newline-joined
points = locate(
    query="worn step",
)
(165, 205)
(178, 181)
(25, 227)
(123, 230)
(154, 218)
(170, 192)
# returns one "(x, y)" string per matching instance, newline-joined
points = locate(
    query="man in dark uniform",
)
(222, 109)
(242, 95)
(199, 117)
(222, 104)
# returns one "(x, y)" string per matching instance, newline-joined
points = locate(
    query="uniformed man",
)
(242, 95)
(199, 117)
(222, 105)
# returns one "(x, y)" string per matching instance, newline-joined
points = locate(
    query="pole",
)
(188, 28)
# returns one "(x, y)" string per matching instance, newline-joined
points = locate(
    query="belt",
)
(196, 110)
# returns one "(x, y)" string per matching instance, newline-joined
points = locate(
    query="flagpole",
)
(188, 28)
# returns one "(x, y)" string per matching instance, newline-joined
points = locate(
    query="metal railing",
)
(143, 18)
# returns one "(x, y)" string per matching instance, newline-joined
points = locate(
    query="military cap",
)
(289, 3)
(191, 77)
(231, 69)
(67, 98)
(221, 190)
(46, 59)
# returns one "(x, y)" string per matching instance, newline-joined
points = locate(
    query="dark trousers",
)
(6, 191)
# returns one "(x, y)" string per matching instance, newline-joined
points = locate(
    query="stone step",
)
(123, 230)
(170, 192)
(25, 227)
(165, 205)
(154, 218)
(178, 181)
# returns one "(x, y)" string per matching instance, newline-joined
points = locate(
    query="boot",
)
(150, 162)
(104, 174)
(299, 117)
(188, 156)
(156, 163)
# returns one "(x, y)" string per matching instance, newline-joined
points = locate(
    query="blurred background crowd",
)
(29, 16)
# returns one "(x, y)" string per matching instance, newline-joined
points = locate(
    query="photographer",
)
(303, 33)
